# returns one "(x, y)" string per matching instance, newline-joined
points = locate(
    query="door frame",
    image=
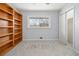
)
(73, 26)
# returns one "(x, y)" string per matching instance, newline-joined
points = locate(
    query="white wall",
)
(62, 28)
(66, 8)
(76, 27)
(50, 33)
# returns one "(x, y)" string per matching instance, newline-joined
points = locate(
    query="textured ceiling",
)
(38, 6)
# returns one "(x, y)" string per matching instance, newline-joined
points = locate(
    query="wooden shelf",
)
(17, 33)
(10, 29)
(6, 11)
(17, 28)
(4, 35)
(5, 42)
(6, 19)
(6, 26)
(4, 52)
(17, 19)
(18, 38)
(18, 24)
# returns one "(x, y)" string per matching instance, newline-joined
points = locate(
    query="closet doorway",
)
(70, 31)
(70, 18)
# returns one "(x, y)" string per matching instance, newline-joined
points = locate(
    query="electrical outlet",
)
(41, 37)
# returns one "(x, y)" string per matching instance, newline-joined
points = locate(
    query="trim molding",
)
(38, 39)
(77, 51)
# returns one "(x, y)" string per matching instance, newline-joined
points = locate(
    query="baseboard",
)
(38, 39)
(77, 51)
(65, 43)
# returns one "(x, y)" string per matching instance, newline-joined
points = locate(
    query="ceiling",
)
(38, 6)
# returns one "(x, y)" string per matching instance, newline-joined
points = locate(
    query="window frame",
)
(28, 22)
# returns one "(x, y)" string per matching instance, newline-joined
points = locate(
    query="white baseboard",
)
(77, 51)
(38, 39)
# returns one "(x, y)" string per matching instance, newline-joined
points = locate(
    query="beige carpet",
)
(42, 48)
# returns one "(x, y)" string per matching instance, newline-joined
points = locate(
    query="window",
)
(38, 22)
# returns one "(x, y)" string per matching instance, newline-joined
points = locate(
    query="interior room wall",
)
(36, 33)
(76, 45)
(62, 28)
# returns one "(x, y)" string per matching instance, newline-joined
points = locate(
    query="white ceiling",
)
(38, 6)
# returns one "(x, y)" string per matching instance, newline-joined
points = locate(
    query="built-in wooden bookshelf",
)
(10, 28)
(18, 27)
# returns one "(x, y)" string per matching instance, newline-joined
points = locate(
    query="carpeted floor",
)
(42, 48)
